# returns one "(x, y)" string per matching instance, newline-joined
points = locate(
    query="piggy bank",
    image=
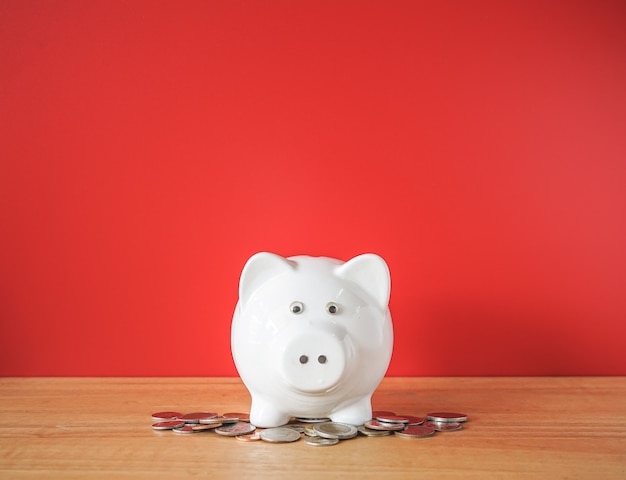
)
(312, 336)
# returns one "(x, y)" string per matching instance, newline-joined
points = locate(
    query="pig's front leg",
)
(355, 413)
(265, 415)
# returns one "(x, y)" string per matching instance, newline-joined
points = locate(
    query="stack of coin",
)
(196, 422)
(318, 431)
(446, 421)
(234, 429)
(329, 433)
(409, 426)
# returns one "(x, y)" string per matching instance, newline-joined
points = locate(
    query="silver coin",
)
(232, 430)
(279, 435)
(392, 419)
(342, 431)
(222, 420)
(445, 426)
(166, 416)
(368, 432)
(197, 427)
(310, 431)
(242, 417)
(376, 425)
(195, 417)
(295, 426)
(187, 429)
(169, 425)
(321, 441)
(313, 419)
(417, 431)
(446, 417)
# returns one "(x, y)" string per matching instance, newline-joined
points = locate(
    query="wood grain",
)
(538, 428)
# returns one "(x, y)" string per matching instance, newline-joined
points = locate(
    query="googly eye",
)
(296, 308)
(332, 308)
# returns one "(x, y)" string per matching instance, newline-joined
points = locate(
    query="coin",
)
(223, 420)
(319, 430)
(321, 441)
(342, 431)
(413, 420)
(279, 435)
(448, 417)
(310, 431)
(376, 425)
(200, 428)
(239, 428)
(445, 426)
(313, 419)
(195, 428)
(187, 429)
(195, 417)
(249, 437)
(368, 432)
(166, 416)
(169, 425)
(416, 431)
(242, 417)
(295, 426)
(392, 419)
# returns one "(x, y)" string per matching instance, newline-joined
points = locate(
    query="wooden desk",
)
(541, 428)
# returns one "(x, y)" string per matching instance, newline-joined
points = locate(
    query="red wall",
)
(149, 148)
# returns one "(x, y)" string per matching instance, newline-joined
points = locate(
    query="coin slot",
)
(322, 359)
(303, 359)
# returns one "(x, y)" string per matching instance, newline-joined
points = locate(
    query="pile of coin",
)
(408, 426)
(317, 431)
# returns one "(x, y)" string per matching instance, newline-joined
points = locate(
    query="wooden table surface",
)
(544, 428)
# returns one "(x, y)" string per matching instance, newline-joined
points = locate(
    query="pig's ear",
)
(258, 269)
(370, 272)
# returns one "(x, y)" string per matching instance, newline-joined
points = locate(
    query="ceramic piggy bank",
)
(312, 336)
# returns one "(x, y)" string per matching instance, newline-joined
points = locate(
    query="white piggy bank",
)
(312, 336)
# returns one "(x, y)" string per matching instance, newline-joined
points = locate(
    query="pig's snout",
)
(313, 362)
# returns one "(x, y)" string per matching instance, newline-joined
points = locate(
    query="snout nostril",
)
(303, 359)
(322, 359)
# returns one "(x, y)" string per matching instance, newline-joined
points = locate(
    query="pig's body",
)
(312, 336)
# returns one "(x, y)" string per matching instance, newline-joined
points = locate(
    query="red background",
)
(149, 148)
